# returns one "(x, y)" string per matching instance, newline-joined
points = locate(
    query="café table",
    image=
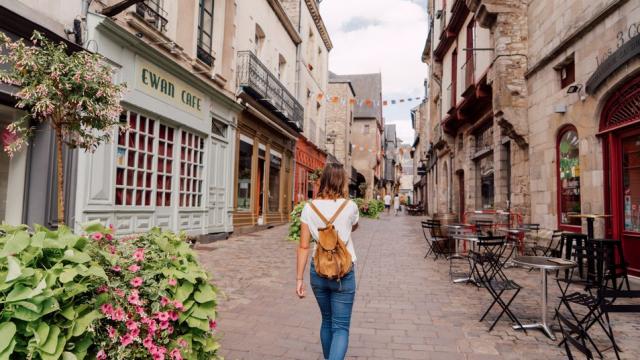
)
(545, 264)
(590, 218)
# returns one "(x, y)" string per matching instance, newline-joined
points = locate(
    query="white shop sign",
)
(163, 86)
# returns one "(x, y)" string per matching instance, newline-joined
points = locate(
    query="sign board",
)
(167, 88)
(625, 52)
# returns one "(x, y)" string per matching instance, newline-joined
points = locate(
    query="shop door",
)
(218, 174)
(629, 196)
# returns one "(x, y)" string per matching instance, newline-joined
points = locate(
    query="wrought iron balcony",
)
(256, 80)
(153, 13)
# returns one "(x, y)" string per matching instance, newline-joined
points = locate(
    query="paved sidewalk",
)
(405, 308)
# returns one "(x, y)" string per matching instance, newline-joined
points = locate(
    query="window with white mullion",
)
(164, 174)
(191, 170)
(134, 161)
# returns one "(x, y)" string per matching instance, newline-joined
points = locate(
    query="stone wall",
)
(339, 120)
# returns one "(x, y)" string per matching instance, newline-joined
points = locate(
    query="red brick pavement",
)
(405, 308)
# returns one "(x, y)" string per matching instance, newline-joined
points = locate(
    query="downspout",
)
(298, 75)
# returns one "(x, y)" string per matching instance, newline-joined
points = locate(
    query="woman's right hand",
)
(300, 289)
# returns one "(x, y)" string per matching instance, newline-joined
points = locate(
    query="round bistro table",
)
(544, 264)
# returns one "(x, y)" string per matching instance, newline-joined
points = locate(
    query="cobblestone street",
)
(406, 307)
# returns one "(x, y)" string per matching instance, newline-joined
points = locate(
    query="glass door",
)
(630, 146)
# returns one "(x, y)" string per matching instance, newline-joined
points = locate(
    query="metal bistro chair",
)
(569, 330)
(608, 298)
(432, 231)
(552, 249)
(590, 297)
(483, 227)
(487, 268)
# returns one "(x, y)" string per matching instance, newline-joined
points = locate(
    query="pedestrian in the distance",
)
(387, 203)
(396, 204)
(334, 295)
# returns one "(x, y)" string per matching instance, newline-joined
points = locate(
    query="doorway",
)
(461, 204)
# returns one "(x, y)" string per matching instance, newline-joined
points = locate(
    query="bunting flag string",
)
(367, 102)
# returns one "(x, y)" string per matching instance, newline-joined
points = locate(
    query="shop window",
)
(569, 176)
(165, 165)
(134, 161)
(244, 175)
(205, 31)
(191, 169)
(631, 182)
(274, 182)
(485, 175)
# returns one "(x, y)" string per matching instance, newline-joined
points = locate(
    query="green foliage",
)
(64, 296)
(74, 92)
(156, 279)
(294, 224)
(43, 275)
(370, 209)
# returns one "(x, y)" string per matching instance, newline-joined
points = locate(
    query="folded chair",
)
(487, 267)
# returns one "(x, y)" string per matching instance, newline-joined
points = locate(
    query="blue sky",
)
(386, 36)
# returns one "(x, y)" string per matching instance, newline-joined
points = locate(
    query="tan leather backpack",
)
(331, 260)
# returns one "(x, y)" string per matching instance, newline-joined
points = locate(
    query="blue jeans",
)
(336, 301)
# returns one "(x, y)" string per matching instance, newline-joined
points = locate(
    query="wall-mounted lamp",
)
(572, 89)
(577, 88)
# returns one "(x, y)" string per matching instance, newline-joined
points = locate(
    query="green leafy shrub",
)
(66, 296)
(169, 305)
(48, 281)
(370, 209)
(294, 222)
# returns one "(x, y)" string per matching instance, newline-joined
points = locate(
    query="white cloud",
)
(381, 36)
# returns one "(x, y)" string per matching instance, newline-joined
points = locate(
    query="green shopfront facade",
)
(172, 167)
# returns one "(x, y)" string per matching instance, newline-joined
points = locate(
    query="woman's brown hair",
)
(333, 182)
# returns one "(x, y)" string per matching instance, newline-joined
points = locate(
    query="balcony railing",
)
(153, 13)
(256, 80)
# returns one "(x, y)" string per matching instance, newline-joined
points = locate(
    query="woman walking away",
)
(328, 221)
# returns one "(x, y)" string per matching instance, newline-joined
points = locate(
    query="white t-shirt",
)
(343, 223)
(396, 202)
(387, 199)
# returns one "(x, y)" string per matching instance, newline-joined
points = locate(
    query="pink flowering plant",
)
(158, 303)
(74, 93)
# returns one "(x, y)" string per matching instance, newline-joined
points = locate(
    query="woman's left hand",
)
(300, 289)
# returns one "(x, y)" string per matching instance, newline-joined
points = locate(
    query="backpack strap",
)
(335, 215)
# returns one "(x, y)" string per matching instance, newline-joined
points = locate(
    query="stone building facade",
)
(340, 121)
(367, 131)
(546, 123)
(583, 79)
(476, 153)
